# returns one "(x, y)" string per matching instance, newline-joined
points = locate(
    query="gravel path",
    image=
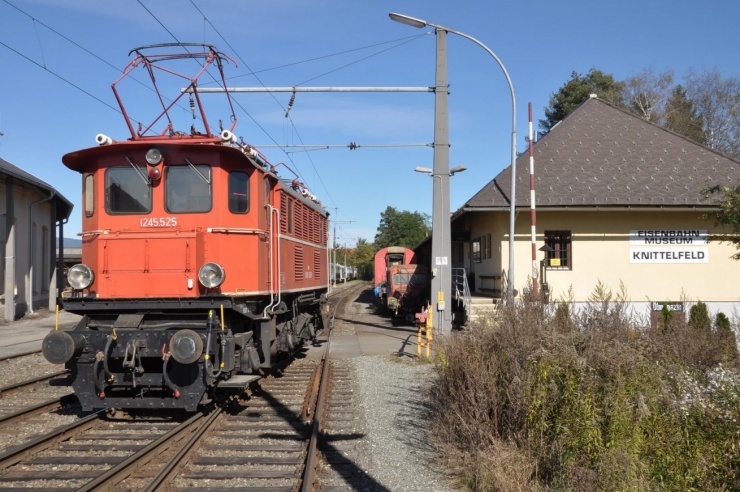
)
(395, 452)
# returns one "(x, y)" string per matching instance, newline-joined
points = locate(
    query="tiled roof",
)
(64, 206)
(601, 155)
(75, 252)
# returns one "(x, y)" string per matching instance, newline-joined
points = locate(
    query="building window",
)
(238, 192)
(560, 256)
(476, 250)
(489, 253)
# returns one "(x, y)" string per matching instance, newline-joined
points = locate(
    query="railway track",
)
(33, 406)
(22, 397)
(284, 435)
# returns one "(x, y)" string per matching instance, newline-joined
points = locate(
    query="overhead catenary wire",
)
(393, 44)
(286, 110)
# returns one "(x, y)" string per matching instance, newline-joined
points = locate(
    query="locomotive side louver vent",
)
(298, 263)
(315, 232)
(316, 264)
(285, 215)
(306, 235)
(299, 222)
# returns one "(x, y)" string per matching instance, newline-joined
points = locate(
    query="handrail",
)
(460, 287)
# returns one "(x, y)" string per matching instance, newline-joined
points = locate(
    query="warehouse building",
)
(30, 212)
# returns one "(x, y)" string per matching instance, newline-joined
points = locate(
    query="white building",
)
(30, 212)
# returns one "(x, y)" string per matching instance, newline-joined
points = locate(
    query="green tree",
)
(727, 198)
(574, 92)
(682, 118)
(404, 228)
(666, 318)
(364, 258)
(699, 317)
(726, 337)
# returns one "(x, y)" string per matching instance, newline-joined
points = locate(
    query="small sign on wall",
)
(656, 311)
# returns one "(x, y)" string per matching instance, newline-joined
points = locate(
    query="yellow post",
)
(424, 334)
(56, 321)
(429, 334)
(418, 339)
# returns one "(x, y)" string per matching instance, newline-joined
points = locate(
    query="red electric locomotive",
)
(200, 265)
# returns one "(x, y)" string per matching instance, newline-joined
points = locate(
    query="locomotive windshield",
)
(127, 190)
(188, 188)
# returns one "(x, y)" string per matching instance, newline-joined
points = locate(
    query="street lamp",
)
(456, 169)
(441, 238)
(419, 23)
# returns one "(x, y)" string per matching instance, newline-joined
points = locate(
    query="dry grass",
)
(545, 398)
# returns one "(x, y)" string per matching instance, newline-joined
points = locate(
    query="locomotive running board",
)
(240, 381)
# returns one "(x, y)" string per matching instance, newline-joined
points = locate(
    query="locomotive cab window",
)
(187, 188)
(238, 192)
(127, 190)
(89, 192)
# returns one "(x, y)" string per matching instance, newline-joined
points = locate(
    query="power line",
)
(206, 19)
(61, 78)
(395, 43)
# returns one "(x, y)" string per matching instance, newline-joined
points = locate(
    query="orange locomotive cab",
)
(200, 265)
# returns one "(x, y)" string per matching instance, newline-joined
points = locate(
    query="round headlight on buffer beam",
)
(186, 346)
(80, 276)
(211, 275)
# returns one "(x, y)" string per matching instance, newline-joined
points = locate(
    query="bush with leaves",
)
(523, 404)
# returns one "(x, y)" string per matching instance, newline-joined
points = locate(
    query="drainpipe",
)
(8, 235)
(31, 256)
(60, 260)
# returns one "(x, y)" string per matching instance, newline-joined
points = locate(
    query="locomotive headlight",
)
(211, 275)
(80, 276)
(153, 156)
(186, 346)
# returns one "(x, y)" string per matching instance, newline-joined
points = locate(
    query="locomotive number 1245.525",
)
(158, 222)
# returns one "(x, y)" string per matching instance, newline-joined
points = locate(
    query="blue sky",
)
(58, 59)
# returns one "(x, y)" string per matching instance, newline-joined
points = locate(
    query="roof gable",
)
(64, 205)
(601, 155)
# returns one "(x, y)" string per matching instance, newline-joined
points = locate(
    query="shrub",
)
(586, 401)
(666, 317)
(699, 317)
(726, 338)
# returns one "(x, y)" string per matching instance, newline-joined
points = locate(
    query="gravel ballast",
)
(395, 452)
